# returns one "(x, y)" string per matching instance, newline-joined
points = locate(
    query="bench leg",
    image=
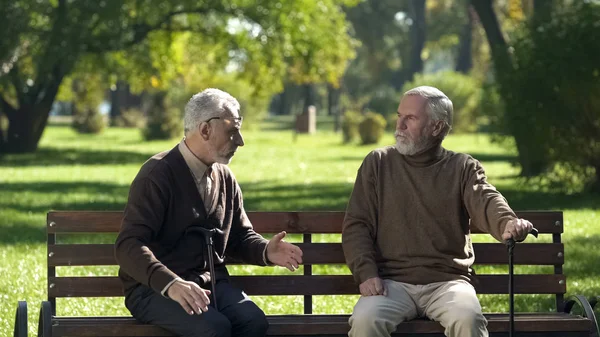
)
(588, 310)
(21, 320)
(45, 323)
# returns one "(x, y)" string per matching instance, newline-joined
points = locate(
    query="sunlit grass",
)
(277, 171)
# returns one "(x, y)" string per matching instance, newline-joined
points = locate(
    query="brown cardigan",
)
(156, 243)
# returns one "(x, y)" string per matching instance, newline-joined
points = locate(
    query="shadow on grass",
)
(99, 196)
(53, 156)
(274, 196)
(541, 200)
(22, 233)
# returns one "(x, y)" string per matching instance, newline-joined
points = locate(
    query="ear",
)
(438, 126)
(205, 130)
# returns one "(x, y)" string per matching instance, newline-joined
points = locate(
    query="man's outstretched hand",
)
(283, 253)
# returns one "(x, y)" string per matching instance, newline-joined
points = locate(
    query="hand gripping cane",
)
(208, 238)
(510, 243)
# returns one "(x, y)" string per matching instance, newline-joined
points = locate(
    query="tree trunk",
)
(25, 129)
(596, 184)
(333, 105)
(310, 96)
(542, 9)
(417, 37)
(464, 60)
(532, 156)
(417, 33)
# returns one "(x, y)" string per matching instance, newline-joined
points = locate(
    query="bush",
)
(462, 90)
(350, 123)
(88, 120)
(552, 92)
(371, 128)
(163, 122)
(131, 118)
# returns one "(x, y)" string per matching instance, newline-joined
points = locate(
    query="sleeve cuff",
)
(164, 291)
(264, 255)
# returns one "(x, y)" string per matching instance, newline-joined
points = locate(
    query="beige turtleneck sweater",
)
(408, 216)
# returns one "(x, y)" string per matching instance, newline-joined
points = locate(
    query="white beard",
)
(408, 147)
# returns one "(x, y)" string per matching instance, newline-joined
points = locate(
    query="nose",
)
(401, 124)
(238, 139)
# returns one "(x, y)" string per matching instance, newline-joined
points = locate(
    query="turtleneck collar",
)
(432, 155)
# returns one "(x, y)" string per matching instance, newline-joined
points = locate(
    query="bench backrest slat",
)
(318, 253)
(109, 286)
(263, 222)
(90, 224)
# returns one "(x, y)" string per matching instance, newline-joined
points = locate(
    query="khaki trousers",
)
(453, 304)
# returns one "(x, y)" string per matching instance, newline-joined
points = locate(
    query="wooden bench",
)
(558, 323)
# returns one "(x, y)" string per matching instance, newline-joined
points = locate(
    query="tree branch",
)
(141, 31)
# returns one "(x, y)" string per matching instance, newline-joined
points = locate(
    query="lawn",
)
(277, 171)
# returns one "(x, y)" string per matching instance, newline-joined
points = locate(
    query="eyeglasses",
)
(238, 120)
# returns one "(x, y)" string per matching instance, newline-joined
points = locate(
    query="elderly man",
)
(176, 196)
(406, 233)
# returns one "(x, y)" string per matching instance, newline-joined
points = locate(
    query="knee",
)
(369, 323)
(216, 326)
(466, 318)
(253, 321)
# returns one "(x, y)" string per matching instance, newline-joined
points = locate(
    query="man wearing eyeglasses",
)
(178, 196)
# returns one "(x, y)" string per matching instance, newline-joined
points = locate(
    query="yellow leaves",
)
(154, 82)
(515, 10)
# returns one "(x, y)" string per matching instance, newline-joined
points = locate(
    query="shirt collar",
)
(197, 167)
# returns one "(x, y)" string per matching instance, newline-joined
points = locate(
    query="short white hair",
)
(438, 106)
(208, 104)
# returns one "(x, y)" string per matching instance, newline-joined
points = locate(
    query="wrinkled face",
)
(413, 127)
(225, 137)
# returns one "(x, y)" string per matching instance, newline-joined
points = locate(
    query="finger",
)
(298, 251)
(184, 304)
(294, 263)
(378, 288)
(290, 267)
(278, 237)
(189, 302)
(363, 291)
(200, 297)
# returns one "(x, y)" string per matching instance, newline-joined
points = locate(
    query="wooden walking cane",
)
(510, 243)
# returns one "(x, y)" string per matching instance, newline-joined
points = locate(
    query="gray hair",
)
(208, 104)
(439, 106)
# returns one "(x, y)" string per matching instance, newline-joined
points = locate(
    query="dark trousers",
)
(237, 315)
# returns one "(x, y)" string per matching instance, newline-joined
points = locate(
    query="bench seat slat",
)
(263, 222)
(324, 324)
(109, 286)
(320, 253)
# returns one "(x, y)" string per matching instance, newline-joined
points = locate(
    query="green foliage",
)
(552, 95)
(462, 90)
(86, 97)
(153, 44)
(131, 118)
(371, 128)
(88, 120)
(164, 122)
(350, 123)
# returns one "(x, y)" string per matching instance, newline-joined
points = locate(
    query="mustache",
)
(398, 134)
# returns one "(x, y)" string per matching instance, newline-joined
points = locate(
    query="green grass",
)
(277, 171)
